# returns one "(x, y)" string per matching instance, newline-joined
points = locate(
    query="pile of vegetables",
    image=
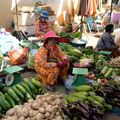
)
(111, 93)
(20, 93)
(85, 95)
(73, 53)
(81, 111)
(115, 61)
(70, 35)
(44, 107)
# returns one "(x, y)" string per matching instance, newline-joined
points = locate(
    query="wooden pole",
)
(111, 11)
(16, 14)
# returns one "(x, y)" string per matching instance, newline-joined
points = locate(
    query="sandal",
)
(51, 88)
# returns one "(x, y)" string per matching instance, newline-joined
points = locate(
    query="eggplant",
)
(94, 117)
(117, 105)
(66, 112)
(96, 111)
(101, 93)
(85, 106)
(83, 111)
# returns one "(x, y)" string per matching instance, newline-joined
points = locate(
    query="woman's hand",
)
(60, 65)
(65, 63)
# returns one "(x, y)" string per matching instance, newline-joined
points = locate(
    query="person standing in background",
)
(42, 25)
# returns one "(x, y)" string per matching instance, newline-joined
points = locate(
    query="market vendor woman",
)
(42, 25)
(107, 42)
(51, 62)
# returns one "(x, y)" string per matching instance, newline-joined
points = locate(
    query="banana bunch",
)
(18, 94)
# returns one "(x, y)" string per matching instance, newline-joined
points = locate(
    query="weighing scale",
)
(80, 76)
(12, 75)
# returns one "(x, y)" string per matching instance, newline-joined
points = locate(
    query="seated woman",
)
(51, 62)
(107, 42)
(42, 25)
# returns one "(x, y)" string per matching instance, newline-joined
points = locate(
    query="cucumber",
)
(80, 97)
(93, 101)
(17, 91)
(21, 89)
(2, 104)
(77, 94)
(104, 70)
(28, 82)
(109, 72)
(5, 101)
(28, 96)
(27, 88)
(83, 88)
(13, 95)
(91, 93)
(8, 105)
(7, 97)
(71, 98)
(108, 107)
(99, 99)
(36, 83)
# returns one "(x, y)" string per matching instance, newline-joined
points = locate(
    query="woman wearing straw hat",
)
(51, 62)
(42, 25)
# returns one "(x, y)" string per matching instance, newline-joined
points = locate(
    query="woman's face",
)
(43, 20)
(52, 41)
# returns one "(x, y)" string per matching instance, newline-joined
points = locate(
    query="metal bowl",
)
(81, 43)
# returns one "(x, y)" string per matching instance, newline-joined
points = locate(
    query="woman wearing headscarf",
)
(51, 62)
(42, 25)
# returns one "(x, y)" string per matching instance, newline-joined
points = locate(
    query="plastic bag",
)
(18, 56)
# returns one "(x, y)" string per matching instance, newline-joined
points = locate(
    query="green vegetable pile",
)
(70, 35)
(94, 105)
(18, 94)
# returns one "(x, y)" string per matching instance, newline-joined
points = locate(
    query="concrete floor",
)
(61, 89)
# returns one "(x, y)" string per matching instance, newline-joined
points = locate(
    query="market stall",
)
(91, 89)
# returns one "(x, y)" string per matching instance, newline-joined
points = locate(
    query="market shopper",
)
(42, 25)
(107, 42)
(51, 62)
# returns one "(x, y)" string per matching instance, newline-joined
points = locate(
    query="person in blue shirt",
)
(107, 42)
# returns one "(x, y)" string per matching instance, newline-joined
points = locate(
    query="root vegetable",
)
(57, 113)
(32, 113)
(42, 110)
(43, 99)
(50, 110)
(35, 106)
(39, 116)
(24, 112)
(57, 101)
(48, 98)
(38, 97)
(47, 114)
(22, 118)
(52, 116)
(47, 94)
(59, 118)
(30, 101)
(10, 112)
(28, 119)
